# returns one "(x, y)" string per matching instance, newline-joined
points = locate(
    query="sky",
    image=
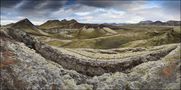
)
(89, 11)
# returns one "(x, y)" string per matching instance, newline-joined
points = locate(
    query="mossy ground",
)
(127, 36)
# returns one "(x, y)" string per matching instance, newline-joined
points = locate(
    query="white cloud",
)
(82, 13)
(4, 22)
(37, 22)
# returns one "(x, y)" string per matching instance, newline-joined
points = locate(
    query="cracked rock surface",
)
(26, 63)
(29, 70)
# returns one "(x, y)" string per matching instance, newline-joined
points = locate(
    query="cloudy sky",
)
(90, 11)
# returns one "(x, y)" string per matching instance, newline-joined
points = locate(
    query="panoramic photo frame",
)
(90, 44)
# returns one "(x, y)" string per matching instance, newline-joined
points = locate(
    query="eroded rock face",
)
(108, 81)
(22, 67)
(88, 66)
(158, 74)
(25, 69)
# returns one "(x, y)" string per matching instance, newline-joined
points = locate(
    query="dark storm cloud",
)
(173, 5)
(31, 5)
(90, 10)
(32, 8)
(97, 3)
(43, 6)
(125, 4)
(10, 3)
(40, 9)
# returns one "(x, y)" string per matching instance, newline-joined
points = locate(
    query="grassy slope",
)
(78, 34)
(128, 36)
(56, 43)
(29, 29)
(146, 35)
(163, 38)
(82, 34)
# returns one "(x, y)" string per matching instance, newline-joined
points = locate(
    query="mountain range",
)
(73, 24)
(168, 23)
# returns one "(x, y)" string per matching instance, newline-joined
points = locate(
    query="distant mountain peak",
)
(24, 24)
(146, 22)
(170, 22)
(60, 24)
(24, 21)
(73, 20)
(64, 20)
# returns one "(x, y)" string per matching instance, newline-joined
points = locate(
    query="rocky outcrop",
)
(29, 68)
(162, 74)
(87, 66)
(115, 81)
(91, 66)
(22, 37)
(22, 68)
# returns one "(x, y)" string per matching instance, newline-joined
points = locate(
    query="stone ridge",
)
(86, 66)
(24, 68)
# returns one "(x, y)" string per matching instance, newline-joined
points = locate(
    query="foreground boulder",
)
(22, 68)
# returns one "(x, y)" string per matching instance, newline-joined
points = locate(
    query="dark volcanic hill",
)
(146, 22)
(26, 26)
(69, 24)
(60, 24)
(25, 23)
(158, 23)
